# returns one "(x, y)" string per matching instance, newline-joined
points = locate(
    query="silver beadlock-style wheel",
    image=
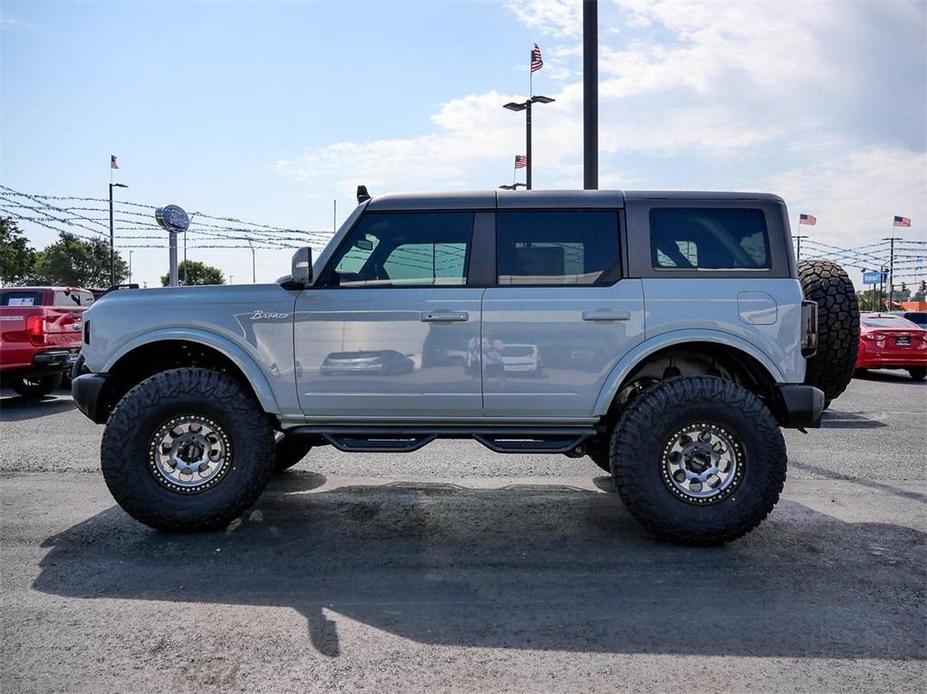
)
(189, 454)
(702, 463)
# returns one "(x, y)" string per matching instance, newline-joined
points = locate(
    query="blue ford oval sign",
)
(172, 218)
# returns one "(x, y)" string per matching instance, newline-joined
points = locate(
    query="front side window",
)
(405, 249)
(696, 238)
(568, 247)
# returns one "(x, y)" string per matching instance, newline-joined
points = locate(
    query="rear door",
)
(388, 330)
(560, 316)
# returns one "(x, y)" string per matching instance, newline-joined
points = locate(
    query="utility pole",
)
(590, 97)
(335, 214)
(130, 267)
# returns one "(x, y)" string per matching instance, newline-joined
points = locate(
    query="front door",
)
(560, 318)
(392, 330)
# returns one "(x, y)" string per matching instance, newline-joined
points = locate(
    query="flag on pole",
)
(521, 161)
(112, 162)
(902, 221)
(808, 219)
(536, 62)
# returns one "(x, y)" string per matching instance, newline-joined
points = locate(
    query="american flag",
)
(808, 219)
(521, 161)
(112, 162)
(902, 221)
(536, 62)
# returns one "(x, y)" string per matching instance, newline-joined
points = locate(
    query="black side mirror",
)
(302, 267)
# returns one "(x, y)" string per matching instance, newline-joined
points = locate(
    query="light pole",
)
(590, 94)
(112, 246)
(526, 107)
(253, 275)
(797, 239)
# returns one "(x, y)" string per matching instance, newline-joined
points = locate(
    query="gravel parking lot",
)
(456, 569)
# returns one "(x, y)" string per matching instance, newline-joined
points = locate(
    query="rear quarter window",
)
(20, 298)
(703, 238)
(72, 298)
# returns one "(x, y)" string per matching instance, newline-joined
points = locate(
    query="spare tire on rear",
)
(832, 366)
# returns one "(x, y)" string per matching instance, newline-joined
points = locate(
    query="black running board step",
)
(501, 439)
(375, 443)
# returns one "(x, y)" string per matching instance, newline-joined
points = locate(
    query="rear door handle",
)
(445, 316)
(606, 314)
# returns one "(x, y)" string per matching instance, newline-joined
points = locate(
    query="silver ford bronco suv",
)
(666, 335)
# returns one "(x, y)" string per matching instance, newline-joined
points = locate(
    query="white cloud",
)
(785, 87)
(855, 195)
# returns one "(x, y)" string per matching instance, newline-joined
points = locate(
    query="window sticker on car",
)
(21, 301)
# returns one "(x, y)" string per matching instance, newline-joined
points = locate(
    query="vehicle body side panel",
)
(630, 360)
(549, 359)
(724, 306)
(372, 353)
(250, 324)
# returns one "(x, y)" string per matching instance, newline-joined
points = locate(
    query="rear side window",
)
(72, 298)
(568, 247)
(701, 238)
(16, 298)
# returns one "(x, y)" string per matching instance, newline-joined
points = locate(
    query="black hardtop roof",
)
(505, 199)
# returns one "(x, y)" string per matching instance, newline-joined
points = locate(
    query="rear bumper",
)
(800, 406)
(85, 390)
(57, 360)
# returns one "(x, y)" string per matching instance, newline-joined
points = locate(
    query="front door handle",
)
(445, 316)
(606, 314)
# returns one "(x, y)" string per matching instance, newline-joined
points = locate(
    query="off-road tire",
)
(918, 373)
(126, 447)
(639, 441)
(289, 450)
(832, 366)
(35, 387)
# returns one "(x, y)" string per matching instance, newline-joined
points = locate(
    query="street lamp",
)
(512, 186)
(112, 247)
(526, 107)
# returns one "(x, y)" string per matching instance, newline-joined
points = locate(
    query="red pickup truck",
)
(40, 336)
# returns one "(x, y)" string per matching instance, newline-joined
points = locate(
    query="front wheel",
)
(35, 386)
(186, 450)
(918, 373)
(702, 460)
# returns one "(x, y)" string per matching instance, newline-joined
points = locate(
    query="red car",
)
(40, 336)
(889, 341)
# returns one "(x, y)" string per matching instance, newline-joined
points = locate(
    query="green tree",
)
(16, 258)
(74, 262)
(195, 272)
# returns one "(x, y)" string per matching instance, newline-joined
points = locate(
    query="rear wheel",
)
(918, 373)
(35, 386)
(702, 460)
(832, 366)
(186, 450)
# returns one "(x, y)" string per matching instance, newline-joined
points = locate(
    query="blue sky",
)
(268, 111)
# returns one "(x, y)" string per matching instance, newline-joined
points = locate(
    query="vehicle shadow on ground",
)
(835, 419)
(540, 567)
(17, 408)
(889, 376)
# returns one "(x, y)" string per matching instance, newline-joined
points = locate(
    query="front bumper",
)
(799, 406)
(85, 390)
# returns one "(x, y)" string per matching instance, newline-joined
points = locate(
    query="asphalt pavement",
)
(456, 569)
